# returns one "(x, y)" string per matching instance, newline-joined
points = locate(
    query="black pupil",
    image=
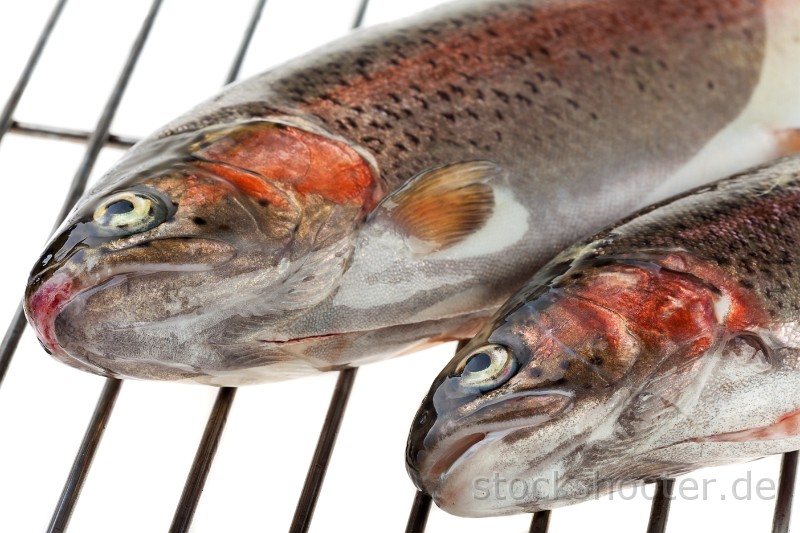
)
(119, 207)
(478, 363)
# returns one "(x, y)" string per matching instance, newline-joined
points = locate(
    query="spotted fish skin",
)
(389, 191)
(667, 342)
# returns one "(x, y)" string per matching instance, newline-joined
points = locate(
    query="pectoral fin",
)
(442, 206)
(788, 141)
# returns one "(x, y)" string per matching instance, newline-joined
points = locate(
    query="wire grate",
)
(100, 137)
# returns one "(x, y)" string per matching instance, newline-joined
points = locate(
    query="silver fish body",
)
(668, 342)
(390, 190)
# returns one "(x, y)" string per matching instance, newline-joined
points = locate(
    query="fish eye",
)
(131, 211)
(486, 368)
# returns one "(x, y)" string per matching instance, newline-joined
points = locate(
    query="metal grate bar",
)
(540, 522)
(322, 454)
(207, 449)
(67, 134)
(420, 509)
(236, 67)
(105, 403)
(80, 467)
(783, 505)
(202, 461)
(17, 326)
(359, 18)
(659, 512)
(27, 71)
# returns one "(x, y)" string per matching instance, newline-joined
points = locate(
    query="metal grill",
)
(101, 136)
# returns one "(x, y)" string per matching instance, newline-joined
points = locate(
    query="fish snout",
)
(415, 448)
(44, 301)
(444, 445)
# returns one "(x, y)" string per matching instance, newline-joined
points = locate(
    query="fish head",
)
(190, 232)
(559, 392)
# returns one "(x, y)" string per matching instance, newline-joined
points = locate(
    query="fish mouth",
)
(429, 466)
(71, 279)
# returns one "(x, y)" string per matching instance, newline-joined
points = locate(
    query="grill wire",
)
(193, 488)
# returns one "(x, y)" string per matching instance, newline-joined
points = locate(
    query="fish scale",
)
(394, 93)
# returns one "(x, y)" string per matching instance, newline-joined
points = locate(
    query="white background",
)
(147, 450)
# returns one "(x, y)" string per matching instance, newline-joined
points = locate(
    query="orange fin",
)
(788, 141)
(442, 206)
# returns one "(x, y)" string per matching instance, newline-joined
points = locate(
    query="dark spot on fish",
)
(634, 50)
(413, 138)
(544, 51)
(449, 116)
(534, 88)
(443, 95)
(586, 57)
(224, 227)
(564, 364)
(640, 84)
(501, 95)
(536, 372)
(614, 54)
(199, 221)
(596, 360)
(263, 203)
(456, 89)
(710, 85)
(499, 114)
(573, 103)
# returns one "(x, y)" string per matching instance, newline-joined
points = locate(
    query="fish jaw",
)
(447, 460)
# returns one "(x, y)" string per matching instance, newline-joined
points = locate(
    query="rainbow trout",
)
(668, 342)
(392, 189)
